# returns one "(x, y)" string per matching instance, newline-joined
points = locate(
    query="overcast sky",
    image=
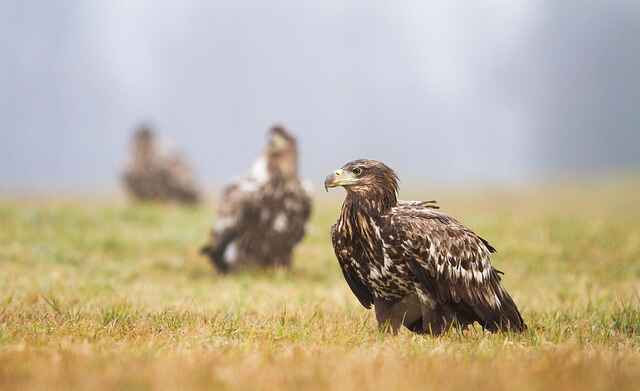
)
(448, 91)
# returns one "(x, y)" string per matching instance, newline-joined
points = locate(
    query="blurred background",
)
(449, 91)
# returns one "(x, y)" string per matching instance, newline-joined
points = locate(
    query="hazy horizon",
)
(445, 92)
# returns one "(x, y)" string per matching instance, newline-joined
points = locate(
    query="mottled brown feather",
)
(389, 250)
(262, 216)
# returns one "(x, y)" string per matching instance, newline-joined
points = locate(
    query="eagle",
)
(417, 266)
(262, 216)
(154, 174)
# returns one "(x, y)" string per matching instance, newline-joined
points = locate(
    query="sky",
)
(443, 91)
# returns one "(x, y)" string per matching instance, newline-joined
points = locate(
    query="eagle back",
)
(276, 217)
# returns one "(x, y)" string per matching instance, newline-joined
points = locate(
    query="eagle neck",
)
(284, 164)
(373, 204)
(359, 215)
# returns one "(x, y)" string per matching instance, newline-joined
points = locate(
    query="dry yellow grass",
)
(101, 295)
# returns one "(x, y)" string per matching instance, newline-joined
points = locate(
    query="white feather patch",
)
(259, 171)
(224, 223)
(231, 253)
(280, 223)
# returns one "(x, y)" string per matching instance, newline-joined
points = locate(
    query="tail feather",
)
(216, 251)
(506, 317)
(215, 257)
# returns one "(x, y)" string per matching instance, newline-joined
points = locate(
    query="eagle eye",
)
(357, 171)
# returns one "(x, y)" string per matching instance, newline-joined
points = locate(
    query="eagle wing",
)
(179, 179)
(236, 204)
(345, 259)
(450, 262)
(298, 206)
(240, 199)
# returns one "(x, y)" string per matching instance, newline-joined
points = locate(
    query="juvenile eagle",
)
(153, 174)
(417, 266)
(262, 216)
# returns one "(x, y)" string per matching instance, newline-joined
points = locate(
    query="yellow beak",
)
(339, 178)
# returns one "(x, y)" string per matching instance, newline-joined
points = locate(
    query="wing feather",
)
(358, 287)
(450, 261)
(234, 206)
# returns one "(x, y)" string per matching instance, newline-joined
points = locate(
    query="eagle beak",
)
(338, 178)
(328, 182)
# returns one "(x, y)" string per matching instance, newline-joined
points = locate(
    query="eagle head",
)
(144, 133)
(366, 178)
(143, 137)
(143, 145)
(280, 140)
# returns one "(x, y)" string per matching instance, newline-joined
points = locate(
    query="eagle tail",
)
(506, 317)
(215, 251)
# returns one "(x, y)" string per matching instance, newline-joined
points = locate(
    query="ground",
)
(101, 294)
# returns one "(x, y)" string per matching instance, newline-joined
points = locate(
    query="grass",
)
(99, 294)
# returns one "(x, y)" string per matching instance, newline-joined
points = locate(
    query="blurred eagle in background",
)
(417, 266)
(262, 216)
(154, 174)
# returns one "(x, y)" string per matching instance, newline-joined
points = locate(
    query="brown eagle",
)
(416, 265)
(262, 216)
(156, 175)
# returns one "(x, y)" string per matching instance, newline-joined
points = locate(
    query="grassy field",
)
(100, 294)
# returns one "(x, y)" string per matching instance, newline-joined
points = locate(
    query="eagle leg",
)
(439, 320)
(392, 315)
(387, 322)
(435, 322)
(437, 317)
(283, 261)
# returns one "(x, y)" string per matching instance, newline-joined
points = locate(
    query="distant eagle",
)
(262, 217)
(417, 266)
(157, 175)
